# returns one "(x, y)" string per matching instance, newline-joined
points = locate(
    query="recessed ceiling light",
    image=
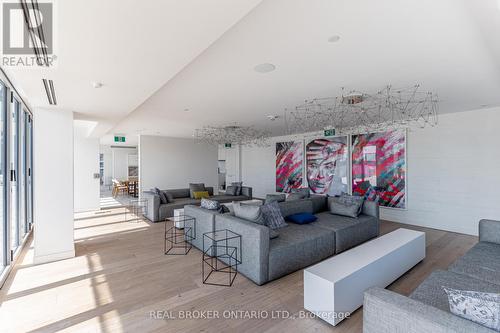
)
(334, 39)
(264, 68)
(96, 84)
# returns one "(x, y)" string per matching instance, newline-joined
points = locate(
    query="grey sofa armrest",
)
(246, 191)
(489, 231)
(153, 205)
(386, 311)
(205, 222)
(254, 246)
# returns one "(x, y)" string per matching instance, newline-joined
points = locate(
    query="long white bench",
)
(334, 287)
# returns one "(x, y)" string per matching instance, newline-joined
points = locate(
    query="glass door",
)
(29, 170)
(22, 179)
(15, 234)
(4, 247)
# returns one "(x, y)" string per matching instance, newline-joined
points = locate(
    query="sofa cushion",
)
(170, 197)
(295, 196)
(238, 186)
(272, 216)
(304, 191)
(209, 204)
(275, 197)
(201, 194)
(161, 194)
(228, 198)
(482, 262)
(346, 205)
(196, 187)
(250, 213)
(293, 207)
(301, 218)
(431, 291)
(179, 193)
(349, 231)
(167, 210)
(479, 307)
(232, 190)
(299, 246)
(338, 208)
(319, 203)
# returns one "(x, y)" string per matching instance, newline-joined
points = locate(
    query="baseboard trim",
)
(53, 257)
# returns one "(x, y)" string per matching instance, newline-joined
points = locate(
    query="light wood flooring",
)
(120, 275)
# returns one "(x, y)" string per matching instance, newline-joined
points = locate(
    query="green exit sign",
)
(227, 145)
(329, 132)
(119, 138)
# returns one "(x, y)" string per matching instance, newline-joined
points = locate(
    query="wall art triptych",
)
(289, 165)
(378, 166)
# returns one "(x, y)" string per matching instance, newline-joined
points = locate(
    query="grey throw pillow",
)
(275, 197)
(196, 187)
(303, 190)
(479, 307)
(350, 206)
(238, 186)
(231, 190)
(272, 216)
(248, 212)
(209, 204)
(295, 197)
(161, 194)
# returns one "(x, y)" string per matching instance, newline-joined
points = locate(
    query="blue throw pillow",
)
(302, 218)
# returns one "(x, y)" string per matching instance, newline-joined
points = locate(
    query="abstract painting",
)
(379, 167)
(289, 169)
(327, 161)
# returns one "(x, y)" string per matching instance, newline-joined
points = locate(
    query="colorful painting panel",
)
(289, 169)
(379, 167)
(327, 161)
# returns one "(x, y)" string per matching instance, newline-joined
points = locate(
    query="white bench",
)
(335, 286)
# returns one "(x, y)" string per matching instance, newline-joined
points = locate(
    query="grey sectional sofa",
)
(427, 309)
(157, 212)
(297, 246)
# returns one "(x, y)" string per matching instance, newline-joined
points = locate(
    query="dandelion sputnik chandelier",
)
(359, 112)
(244, 135)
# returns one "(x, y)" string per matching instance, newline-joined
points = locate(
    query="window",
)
(16, 179)
(15, 235)
(4, 250)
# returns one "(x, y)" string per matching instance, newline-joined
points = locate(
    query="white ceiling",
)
(133, 47)
(205, 61)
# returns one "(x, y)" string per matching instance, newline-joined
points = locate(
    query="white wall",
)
(453, 172)
(53, 185)
(86, 161)
(120, 161)
(169, 163)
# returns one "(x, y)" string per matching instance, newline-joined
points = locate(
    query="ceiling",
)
(132, 47)
(200, 56)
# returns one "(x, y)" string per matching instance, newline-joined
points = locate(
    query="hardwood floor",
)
(120, 275)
